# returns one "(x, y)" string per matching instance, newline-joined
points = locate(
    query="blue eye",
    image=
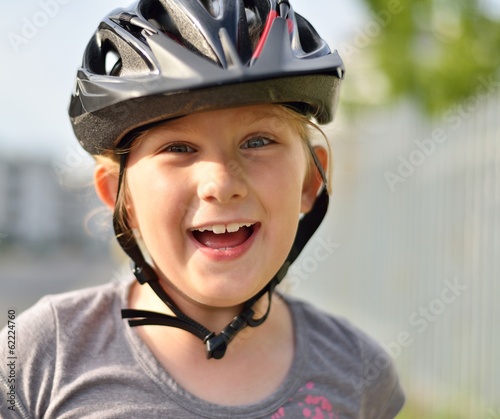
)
(178, 148)
(256, 142)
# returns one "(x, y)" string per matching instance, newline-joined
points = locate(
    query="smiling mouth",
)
(223, 237)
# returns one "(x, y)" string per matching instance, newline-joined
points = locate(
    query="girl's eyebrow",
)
(175, 127)
(263, 114)
(275, 119)
(181, 126)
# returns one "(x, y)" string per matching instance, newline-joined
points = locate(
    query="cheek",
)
(283, 190)
(293, 180)
(152, 200)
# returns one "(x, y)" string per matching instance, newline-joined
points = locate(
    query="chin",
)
(226, 291)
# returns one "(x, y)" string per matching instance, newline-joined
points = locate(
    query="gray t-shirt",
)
(76, 358)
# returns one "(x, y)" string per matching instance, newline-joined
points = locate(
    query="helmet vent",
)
(174, 19)
(155, 14)
(255, 26)
(213, 7)
(258, 10)
(117, 57)
(310, 41)
(112, 62)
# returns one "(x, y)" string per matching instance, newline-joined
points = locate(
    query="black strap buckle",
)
(216, 345)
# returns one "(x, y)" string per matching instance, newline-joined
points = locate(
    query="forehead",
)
(273, 115)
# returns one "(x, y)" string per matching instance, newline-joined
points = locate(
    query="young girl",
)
(199, 115)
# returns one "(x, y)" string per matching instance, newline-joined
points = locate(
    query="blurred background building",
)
(411, 243)
(35, 208)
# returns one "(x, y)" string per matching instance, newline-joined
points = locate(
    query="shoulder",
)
(86, 304)
(67, 311)
(86, 298)
(38, 324)
(68, 319)
(363, 366)
(42, 324)
(56, 328)
(324, 328)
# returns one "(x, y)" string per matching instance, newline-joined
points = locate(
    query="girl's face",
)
(216, 198)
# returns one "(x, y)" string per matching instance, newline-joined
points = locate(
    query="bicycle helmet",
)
(176, 57)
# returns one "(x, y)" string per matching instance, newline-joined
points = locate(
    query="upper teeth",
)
(222, 228)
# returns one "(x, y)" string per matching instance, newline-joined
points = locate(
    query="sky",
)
(41, 46)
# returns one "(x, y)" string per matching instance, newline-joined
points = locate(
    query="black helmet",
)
(176, 57)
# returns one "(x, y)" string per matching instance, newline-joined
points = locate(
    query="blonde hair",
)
(110, 160)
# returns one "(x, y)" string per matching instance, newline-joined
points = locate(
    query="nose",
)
(221, 181)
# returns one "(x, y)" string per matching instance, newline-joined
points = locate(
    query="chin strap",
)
(216, 344)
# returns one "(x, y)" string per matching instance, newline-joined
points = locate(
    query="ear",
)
(313, 180)
(106, 185)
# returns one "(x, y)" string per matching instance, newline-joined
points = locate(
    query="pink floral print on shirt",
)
(311, 407)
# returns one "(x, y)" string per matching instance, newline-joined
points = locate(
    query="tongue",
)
(223, 241)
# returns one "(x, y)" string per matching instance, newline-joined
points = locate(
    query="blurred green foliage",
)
(435, 51)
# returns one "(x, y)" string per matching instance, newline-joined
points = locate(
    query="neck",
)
(184, 345)
(213, 318)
